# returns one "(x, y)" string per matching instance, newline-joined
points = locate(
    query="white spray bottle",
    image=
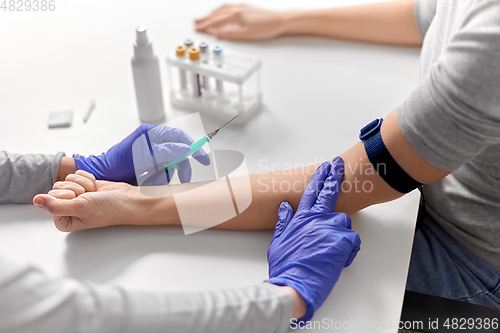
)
(147, 81)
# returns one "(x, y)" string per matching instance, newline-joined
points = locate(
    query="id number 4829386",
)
(28, 5)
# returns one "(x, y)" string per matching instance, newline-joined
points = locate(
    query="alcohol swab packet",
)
(59, 119)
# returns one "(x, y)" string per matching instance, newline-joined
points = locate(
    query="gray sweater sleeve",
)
(32, 302)
(454, 114)
(24, 176)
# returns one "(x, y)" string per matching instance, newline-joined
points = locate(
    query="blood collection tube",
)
(204, 56)
(194, 56)
(180, 51)
(188, 43)
(218, 60)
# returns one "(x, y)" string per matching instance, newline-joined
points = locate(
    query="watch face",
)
(370, 129)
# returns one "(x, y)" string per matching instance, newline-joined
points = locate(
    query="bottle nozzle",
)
(141, 34)
(143, 49)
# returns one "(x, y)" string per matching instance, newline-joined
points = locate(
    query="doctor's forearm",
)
(66, 166)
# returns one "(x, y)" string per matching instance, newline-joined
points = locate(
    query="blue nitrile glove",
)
(309, 250)
(165, 143)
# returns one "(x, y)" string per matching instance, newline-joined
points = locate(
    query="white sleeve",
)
(32, 302)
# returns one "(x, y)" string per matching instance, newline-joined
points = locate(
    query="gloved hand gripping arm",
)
(309, 249)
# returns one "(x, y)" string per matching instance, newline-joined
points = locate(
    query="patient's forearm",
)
(271, 188)
(268, 190)
(360, 189)
(389, 22)
(361, 186)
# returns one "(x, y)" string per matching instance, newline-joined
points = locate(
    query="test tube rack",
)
(218, 99)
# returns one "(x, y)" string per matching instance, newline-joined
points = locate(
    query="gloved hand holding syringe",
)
(162, 150)
(195, 147)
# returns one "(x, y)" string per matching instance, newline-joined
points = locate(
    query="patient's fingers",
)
(86, 174)
(218, 11)
(218, 20)
(60, 207)
(77, 188)
(62, 194)
(81, 180)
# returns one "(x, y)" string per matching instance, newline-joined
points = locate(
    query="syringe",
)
(196, 146)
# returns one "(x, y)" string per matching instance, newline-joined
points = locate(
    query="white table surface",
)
(317, 94)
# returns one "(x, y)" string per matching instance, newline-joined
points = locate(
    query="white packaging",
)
(59, 119)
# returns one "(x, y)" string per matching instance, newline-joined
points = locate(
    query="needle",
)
(213, 133)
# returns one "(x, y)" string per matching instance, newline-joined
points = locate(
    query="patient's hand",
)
(242, 22)
(81, 202)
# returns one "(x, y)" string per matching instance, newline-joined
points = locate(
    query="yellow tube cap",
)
(180, 51)
(194, 53)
